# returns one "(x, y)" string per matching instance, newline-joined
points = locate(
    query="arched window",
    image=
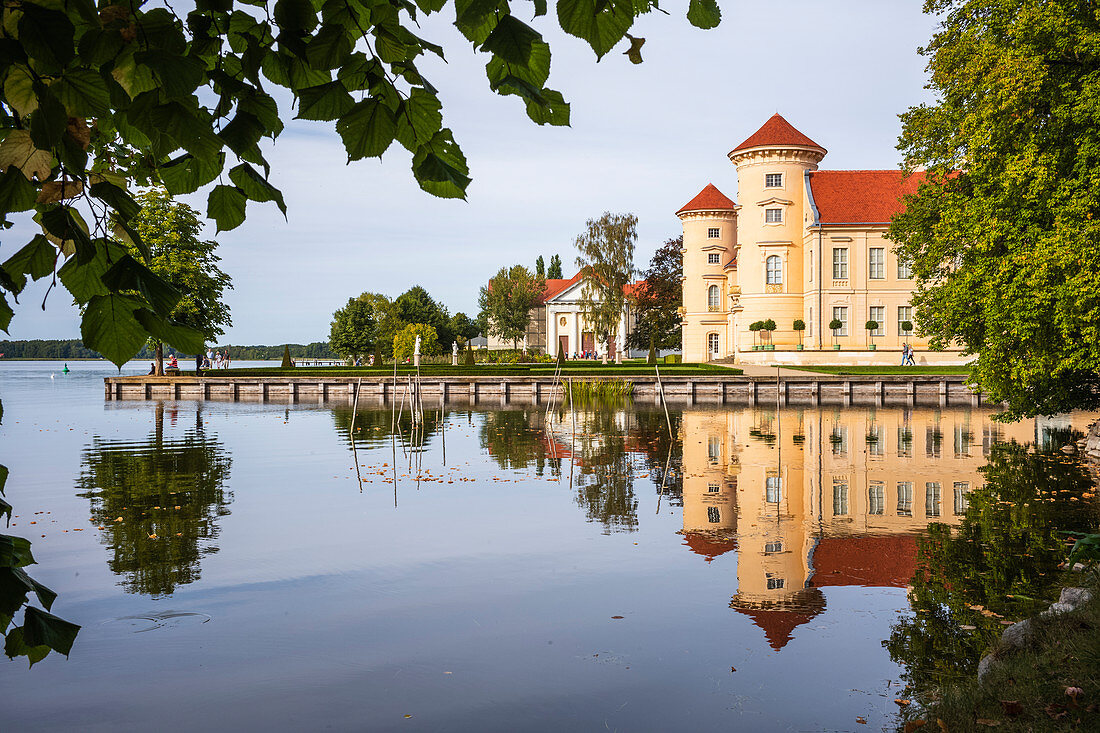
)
(712, 345)
(714, 299)
(775, 270)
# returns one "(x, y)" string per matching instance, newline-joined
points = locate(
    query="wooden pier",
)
(824, 389)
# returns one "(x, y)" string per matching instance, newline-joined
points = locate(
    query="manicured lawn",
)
(571, 369)
(917, 370)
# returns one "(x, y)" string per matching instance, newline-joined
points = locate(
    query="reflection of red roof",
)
(709, 199)
(778, 625)
(877, 561)
(777, 131)
(709, 546)
(851, 197)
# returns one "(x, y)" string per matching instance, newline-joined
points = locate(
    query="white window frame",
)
(714, 299)
(905, 270)
(712, 344)
(773, 275)
(877, 313)
(773, 216)
(840, 263)
(876, 263)
(876, 498)
(905, 498)
(714, 232)
(773, 180)
(773, 489)
(840, 313)
(714, 258)
(905, 313)
(714, 515)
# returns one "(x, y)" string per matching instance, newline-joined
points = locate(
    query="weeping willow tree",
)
(605, 256)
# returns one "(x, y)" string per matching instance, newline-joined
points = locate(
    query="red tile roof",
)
(777, 131)
(709, 199)
(556, 287)
(864, 197)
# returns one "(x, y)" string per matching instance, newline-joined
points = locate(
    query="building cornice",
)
(709, 213)
(770, 154)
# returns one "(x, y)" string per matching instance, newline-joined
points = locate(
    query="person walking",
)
(904, 353)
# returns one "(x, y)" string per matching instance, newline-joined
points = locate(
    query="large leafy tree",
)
(657, 300)
(507, 300)
(99, 95)
(1002, 234)
(605, 256)
(415, 305)
(404, 343)
(463, 327)
(352, 330)
(188, 264)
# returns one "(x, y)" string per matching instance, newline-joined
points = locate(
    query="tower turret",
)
(710, 273)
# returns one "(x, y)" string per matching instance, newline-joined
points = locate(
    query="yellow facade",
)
(783, 258)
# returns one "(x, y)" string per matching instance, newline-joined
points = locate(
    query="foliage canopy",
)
(1002, 233)
(507, 300)
(605, 256)
(352, 330)
(657, 300)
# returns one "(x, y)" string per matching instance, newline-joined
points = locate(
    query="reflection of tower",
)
(710, 483)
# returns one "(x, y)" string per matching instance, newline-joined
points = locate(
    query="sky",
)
(643, 138)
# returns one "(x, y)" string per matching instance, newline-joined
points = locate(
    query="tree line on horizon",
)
(75, 349)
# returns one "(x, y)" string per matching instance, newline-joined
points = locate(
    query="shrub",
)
(561, 356)
(673, 359)
(468, 358)
(768, 325)
(799, 325)
(286, 357)
(835, 324)
(907, 326)
(871, 325)
(652, 358)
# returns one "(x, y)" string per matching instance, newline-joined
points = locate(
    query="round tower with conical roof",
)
(710, 271)
(771, 168)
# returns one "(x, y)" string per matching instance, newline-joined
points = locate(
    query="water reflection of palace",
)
(815, 498)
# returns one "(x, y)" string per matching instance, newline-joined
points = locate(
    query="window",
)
(840, 313)
(991, 435)
(713, 258)
(905, 442)
(933, 441)
(713, 233)
(840, 497)
(839, 440)
(714, 445)
(962, 502)
(876, 441)
(712, 488)
(905, 498)
(905, 270)
(932, 499)
(905, 314)
(770, 548)
(773, 180)
(713, 515)
(876, 498)
(712, 344)
(876, 263)
(775, 270)
(877, 313)
(962, 441)
(810, 323)
(714, 298)
(773, 216)
(773, 489)
(775, 583)
(840, 263)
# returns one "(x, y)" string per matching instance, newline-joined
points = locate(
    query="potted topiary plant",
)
(799, 326)
(835, 325)
(769, 326)
(871, 327)
(906, 328)
(755, 326)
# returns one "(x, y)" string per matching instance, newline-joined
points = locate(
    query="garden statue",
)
(525, 344)
(416, 352)
(454, 353)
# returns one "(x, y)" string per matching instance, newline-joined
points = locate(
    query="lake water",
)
(241, 566)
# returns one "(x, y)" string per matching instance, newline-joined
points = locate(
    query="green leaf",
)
(512, 40)
(324, 102)
(3, 478)
(296, 16)
(15, 582)
(46, 36)
(66, 224)
(5, 509)
(19, 90)
(16, 192)
(110, 327)
(551, 109)
(83, 92)
(243, 132)
(6, 314)
(704, 13)
(474, 15)
(330, 47)
(540, 7)
(41, 628)
(188, 173)
(440, 168)
(602, 23)
(418, 118)
(117, 198)
(15, 552)
(17, 149)
(49, 122)
(36, 259)
(183, 338)
(535, 72)
(256, 186)
(14, 646)
(367, 130)
(225, 205)
(85, 281)
(129, 274)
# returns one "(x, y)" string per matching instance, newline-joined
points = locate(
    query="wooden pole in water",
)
(661, 391)
(355, 409)
(573, 442)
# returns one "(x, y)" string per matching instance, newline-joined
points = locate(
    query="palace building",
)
(803, 245)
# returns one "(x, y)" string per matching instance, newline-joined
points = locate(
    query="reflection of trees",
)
(168, 494)
(517, 439)
(650, 434)
(374, 426)
(605, 486)
(1006, 546)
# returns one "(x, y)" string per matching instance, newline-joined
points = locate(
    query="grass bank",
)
(887, 370)
(571, 369)
(1027, 689)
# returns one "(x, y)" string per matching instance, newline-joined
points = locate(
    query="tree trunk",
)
(159, 358)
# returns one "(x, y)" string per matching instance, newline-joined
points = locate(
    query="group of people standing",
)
(216, 359)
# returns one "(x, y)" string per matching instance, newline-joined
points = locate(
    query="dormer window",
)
(714, 233)
(713, 258)
(773, 216)
(773, 180)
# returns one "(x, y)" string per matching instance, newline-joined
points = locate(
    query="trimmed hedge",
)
(483, 370)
